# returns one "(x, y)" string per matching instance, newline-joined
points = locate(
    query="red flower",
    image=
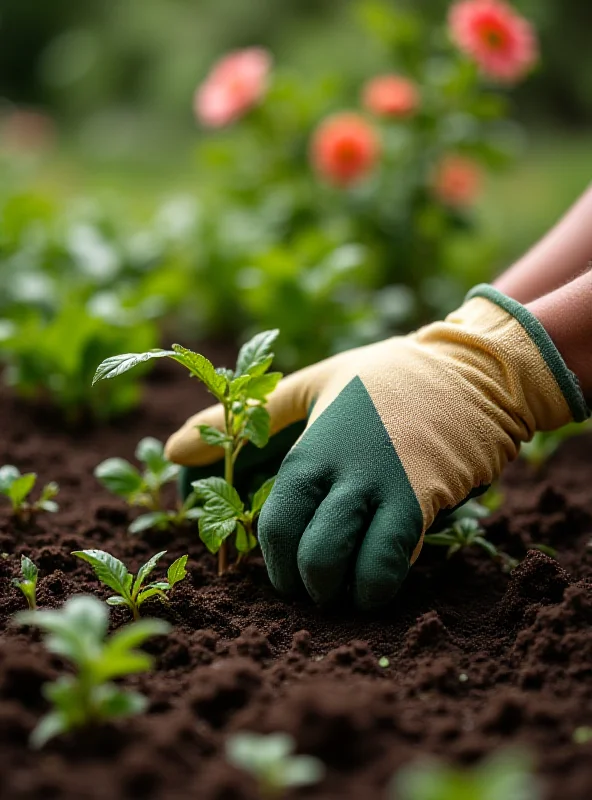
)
(344, 148)
(457, 181)
(390, 96)
(501, 41)
(235, 84)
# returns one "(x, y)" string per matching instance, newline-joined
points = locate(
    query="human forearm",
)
(557, 258)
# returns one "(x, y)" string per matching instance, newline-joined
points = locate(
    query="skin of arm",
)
(566, 315)
(560, 256)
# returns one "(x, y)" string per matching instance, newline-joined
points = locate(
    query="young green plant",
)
(271, 761)
(132, 591)
(17, 487)
(78, 633)
(506, 775)
(243, 394)
(28, 583)
(143, 488)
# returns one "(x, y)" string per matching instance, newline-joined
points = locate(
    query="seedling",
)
(271, 761)
(132, 591)
(503, 776)
(28, 584)
(243, 393)
(545, 443)
(78, 633)
(17, 488)
(144, 488)
(582, 735)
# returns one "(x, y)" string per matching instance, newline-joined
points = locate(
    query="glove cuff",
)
(566, 380)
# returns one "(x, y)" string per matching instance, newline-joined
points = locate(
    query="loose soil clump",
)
(477, 659)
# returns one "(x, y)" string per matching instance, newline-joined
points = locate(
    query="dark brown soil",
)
(478, 659)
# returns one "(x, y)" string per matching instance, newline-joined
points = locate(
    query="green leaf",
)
(118, 600)
(245, 541)
(50, 490)
(109, 570)
(117, 365)
(135, 634)
(144, 522)
(302, 771)
(146, 570)
(262, 385)
(47, 505)
(151, 591)
(118, 703)
(255, 356)
(238, 386)
(544, 548)
(258, 426)
(162, 585)
(20, 488)
(120, 477)
(151, 452)
(176, 572)
(119, 664)
(443, 538)
(486, 545)
(213, 531)
(213, 436)
(193, 513)
(261, 495)
(8, 474)
(29, 570)
(222, 501)
(201, 368)
(49, 726)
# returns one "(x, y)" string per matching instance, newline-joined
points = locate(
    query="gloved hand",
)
(398, 431)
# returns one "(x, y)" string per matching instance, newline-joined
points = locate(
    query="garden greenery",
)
(132, 591)
(17, 487)
(28, 582)
(243, 394)
(78, 633)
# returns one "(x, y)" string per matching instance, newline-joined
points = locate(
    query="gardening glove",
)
(398, 431)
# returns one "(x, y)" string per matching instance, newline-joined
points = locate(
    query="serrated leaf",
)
(29, 570)
(213, 436)
(8, 474)
(261, 495)
(151, 452)
(176, 572)
(145, 570)
(222, 501)
(258, 426)
(238, 386)
(116, 365)
(213, 531)
(261, 386)
(146, 521)
(255, 356)
(120, 477)
(20, 488)
(201, 368)
(244, 541)
(108, 569)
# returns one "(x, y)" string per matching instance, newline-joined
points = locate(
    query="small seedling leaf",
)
(213, 436)
(117, 365)
(255, 356)
(120, 477)
(261, 495)
(238, 386)
(176, 572)
(258, 426)
(151, 452)
(213, 531)
(29, 570)
(245, 541)
(145, 570)
(222, 501)
(51, 725)
(118, 703)
(109, 570)
(117, 600)
(146, 521)
(261, 386)
(201, 368)
(20, 488)
(302, 771)
(8, 474)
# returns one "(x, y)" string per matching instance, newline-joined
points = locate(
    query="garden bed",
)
(478, 659)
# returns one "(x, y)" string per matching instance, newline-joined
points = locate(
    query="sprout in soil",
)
(243, 394)
(78, 633)
(545, 443)
(132, 592)
(28, 584)
(144, 488)
(582, 735)
(17, 488)
(271, 761)
(504, 776)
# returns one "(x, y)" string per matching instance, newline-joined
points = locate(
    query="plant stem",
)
(228, 477)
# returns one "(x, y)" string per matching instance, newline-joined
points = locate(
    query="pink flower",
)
(344, 148)
(24, 130)
(501, 41)
(457, 181)
(235, 84)
(390, 96)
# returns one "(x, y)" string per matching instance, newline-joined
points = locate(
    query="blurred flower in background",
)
(390, 96)
(26, 131)
(345, 148)
(235, 84)
(457, 181)
(501, 41)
